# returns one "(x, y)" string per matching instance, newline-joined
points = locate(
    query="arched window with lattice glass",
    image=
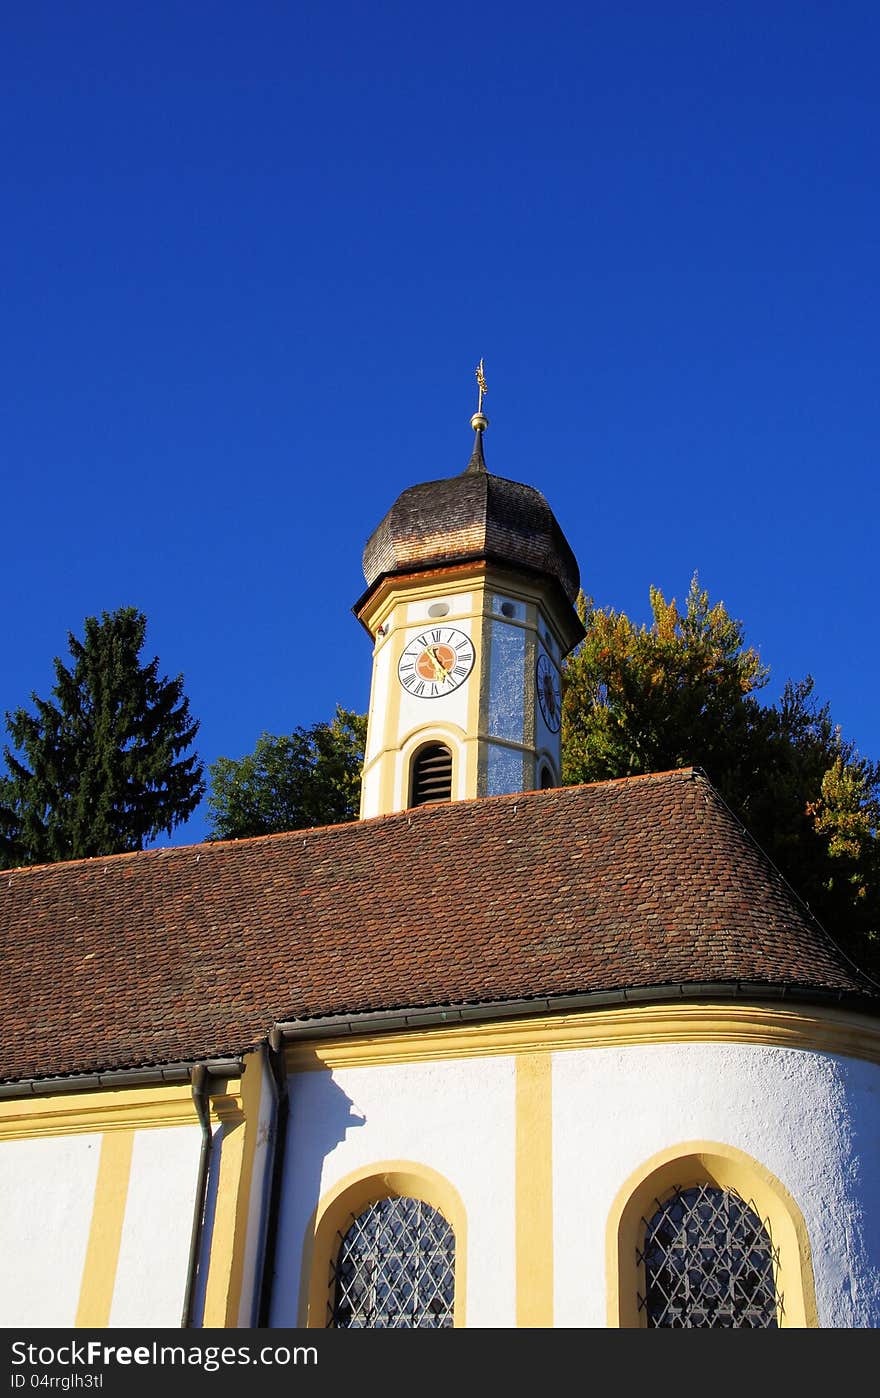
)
(708, 1262)
(395, 1269)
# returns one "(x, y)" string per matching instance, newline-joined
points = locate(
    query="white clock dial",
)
(436, 662)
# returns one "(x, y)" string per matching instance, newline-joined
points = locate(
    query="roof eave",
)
(436, 1016)
(444, 567)
(150, 1075)
(371, 1022)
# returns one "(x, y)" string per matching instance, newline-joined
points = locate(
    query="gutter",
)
(424, 1016)
(421, 1017)
(203, 1110)
(275, 1045)
(120, 1077)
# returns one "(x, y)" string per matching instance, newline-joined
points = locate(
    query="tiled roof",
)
(196, 951)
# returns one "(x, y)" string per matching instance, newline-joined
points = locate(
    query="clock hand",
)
(440, 669)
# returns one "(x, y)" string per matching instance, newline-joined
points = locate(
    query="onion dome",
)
(470, 517)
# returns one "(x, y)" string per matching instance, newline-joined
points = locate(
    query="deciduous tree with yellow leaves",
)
(685, 690)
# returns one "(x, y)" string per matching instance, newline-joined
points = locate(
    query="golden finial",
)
(481, 380)
(479, 421)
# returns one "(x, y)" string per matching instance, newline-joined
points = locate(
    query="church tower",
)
(470, 605)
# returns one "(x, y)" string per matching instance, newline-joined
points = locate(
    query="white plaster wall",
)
(461, 604)
(156, 1230)
(378, 698)
(48, 1189)
(370, 799)
(812, 1120)
(457, 1118)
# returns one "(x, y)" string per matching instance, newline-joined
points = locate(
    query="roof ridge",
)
(675, 773)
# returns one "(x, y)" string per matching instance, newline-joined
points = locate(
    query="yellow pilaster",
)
(534, 1191)
(105, 1234)
(238, 1144)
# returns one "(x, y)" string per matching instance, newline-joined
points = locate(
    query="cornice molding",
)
(848, 1034)
(114, 1110)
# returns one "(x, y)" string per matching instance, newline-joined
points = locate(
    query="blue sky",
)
(252, 254)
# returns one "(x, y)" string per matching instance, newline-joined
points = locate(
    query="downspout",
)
(279, 1089)
(199, 1079)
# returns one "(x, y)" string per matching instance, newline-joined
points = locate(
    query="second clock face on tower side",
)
(549, 695)
(436, 662)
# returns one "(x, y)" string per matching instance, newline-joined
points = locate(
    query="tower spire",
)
(479, 422)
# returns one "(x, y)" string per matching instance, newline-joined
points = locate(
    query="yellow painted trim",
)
(391, 725)
(105, 1234)
(493, 740)
(386, 1179)
(418, 587)
(699, 1162)
(223, 1233)
(478, 700)
(827, 1031)
(116, 1109)
(534, 1191)
(238, 1143)
(448, 582)
(529, 700)
(427, 732)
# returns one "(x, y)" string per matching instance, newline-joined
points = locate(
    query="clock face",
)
(436, 662)
(549, 694)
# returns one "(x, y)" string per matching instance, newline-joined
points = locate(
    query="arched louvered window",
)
(709, 1263)
(432, 774)
(395, 1269)
(547, 779)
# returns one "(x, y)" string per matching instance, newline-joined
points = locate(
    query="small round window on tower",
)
(438, 609)
(508, 609)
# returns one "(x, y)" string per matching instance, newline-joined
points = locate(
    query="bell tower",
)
(469, 604)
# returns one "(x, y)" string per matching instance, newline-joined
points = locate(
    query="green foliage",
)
(644, 699)
(684, 692)
(309, 777)
(98, 768)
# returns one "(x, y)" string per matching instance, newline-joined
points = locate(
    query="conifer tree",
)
(99, 767)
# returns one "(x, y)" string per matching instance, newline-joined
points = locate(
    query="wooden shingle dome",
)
(469, 517)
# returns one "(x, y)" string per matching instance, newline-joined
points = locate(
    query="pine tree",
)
(98, 768)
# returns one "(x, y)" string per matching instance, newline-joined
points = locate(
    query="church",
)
(500, 1053)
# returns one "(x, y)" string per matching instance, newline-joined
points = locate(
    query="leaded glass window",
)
(395, 1269)
(709, 1262)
